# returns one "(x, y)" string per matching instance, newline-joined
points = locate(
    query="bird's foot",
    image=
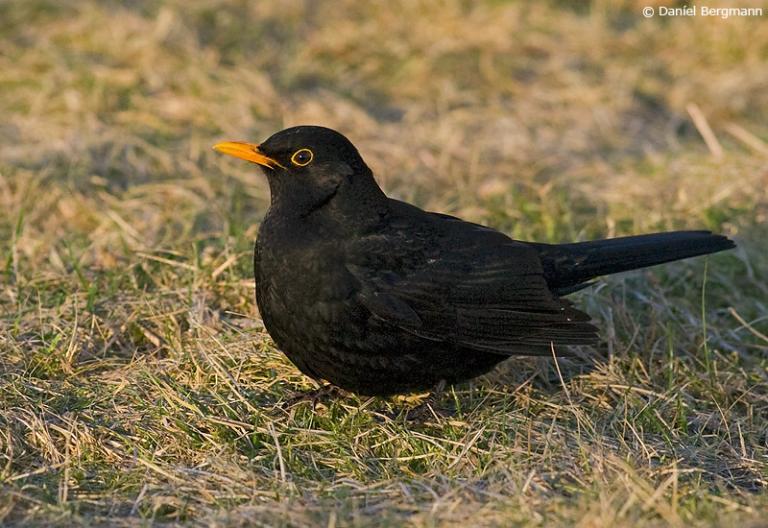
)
(428, 410)
(314, 396)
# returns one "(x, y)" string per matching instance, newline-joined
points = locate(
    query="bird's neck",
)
(360, 205)
(353, 207)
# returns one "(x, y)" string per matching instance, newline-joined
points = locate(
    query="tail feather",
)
(568, 266)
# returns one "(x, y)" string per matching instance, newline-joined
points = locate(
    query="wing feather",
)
(481, 291)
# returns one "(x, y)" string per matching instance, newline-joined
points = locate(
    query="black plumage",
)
(380, 297)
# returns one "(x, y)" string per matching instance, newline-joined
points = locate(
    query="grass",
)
(137, 383)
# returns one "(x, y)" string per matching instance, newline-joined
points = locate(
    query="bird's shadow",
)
(543, 373)
(546, 374)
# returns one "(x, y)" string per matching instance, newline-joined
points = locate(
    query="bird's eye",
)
(302, 157)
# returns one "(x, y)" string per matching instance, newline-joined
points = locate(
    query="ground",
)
(137, 382)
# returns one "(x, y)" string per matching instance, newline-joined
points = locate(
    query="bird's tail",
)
(568, 267)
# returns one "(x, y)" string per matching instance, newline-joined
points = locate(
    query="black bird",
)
(379, 297)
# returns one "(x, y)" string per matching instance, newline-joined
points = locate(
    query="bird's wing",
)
(467, 286)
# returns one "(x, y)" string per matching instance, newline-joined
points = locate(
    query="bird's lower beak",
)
(246, 151)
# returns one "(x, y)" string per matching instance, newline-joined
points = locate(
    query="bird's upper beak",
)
(247, 151)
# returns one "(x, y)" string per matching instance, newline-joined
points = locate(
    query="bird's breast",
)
(304, 292)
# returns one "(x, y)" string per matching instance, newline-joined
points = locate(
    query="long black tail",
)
(568, 266)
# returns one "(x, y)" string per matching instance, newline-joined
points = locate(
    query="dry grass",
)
(137, 383)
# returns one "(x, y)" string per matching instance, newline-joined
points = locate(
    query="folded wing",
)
(474, 288)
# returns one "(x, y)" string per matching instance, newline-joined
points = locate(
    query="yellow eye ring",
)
(302, 157)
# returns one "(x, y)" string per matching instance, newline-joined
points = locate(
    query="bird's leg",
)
(428, 409)
(314, 396)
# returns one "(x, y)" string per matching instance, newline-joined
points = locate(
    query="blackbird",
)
(379, 297)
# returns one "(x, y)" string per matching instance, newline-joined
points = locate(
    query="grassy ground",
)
(137, 383)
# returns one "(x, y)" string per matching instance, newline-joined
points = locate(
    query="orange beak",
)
(246, 151)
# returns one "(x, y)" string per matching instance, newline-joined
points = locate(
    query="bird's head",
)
(308, 168)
